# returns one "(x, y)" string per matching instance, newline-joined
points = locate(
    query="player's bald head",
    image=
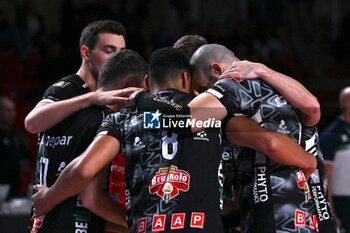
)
(210, 53)
(344, 98)
(208, 63)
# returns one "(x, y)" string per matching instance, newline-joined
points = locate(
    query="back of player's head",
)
(210, 53)
(124, 66)
(89, 36)
(344, 98)
(167, 65)
(188, 44)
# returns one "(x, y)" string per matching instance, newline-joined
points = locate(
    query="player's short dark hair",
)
(188, 44)
(120, 66)
(167, 64)
(89, 36)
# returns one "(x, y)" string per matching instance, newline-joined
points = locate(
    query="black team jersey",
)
(172, 182)
(57, 147)
(272, 196)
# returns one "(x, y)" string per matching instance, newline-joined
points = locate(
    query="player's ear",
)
(84, 51)
(216, 69)
(186, 81)
(146, 80)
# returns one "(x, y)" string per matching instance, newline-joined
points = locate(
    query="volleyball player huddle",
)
(170, 178)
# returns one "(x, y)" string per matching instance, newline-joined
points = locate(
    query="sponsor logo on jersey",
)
(280, 101)
(260, 191)
(81, 216)
(178, 221)
(283, 128)
(238, 79)
(158, 223)
(320, 202)
(300, 179)
(142, 225)
(300, 218)
(137, 144)
(61, 84)
(201, 136)
(221, 184)
(53, 141)
(197, 220)
(151, 120)
(167, 183)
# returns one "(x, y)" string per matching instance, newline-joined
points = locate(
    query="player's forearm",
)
(295, 93)
(288, 152)
(47, 114)
(98, 201)
(111, 227)
(69, 183)
(107, 209)
(204, 107)
(280, 148)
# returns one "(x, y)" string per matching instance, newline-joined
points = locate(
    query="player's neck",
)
(165, 87)
(86, 75)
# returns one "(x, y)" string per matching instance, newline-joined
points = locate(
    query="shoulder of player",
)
(226, 84)
(69, 82)
(122, 115)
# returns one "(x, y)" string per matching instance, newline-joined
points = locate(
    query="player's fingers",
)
(37, 187)
(121, 99)
(229, 75)
(128, 90)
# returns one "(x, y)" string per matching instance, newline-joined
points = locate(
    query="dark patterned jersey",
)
(172, 182)
(318, 183)
(60, 145)
(270, 194)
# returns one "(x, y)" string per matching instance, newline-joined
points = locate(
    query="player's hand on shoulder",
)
(40, 200)
(113, 97)
(244, 70)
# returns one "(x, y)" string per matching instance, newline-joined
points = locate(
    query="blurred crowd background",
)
(308, 40)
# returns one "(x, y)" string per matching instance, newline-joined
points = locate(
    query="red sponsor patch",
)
(311, 222)
(35, 223)
(238, 79)
(117, 180)
(158, 223)
(316, 223)
(300, 179)
(300, 218)
(197, 220)
(167, 182)
(142, 225)
(178, 221)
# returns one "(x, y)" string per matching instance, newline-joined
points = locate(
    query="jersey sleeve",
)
(239, 98)
(112, 126)
(60, 90)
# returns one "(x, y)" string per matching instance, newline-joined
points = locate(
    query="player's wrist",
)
(264, 72)
(50, 198)
(90, 99)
